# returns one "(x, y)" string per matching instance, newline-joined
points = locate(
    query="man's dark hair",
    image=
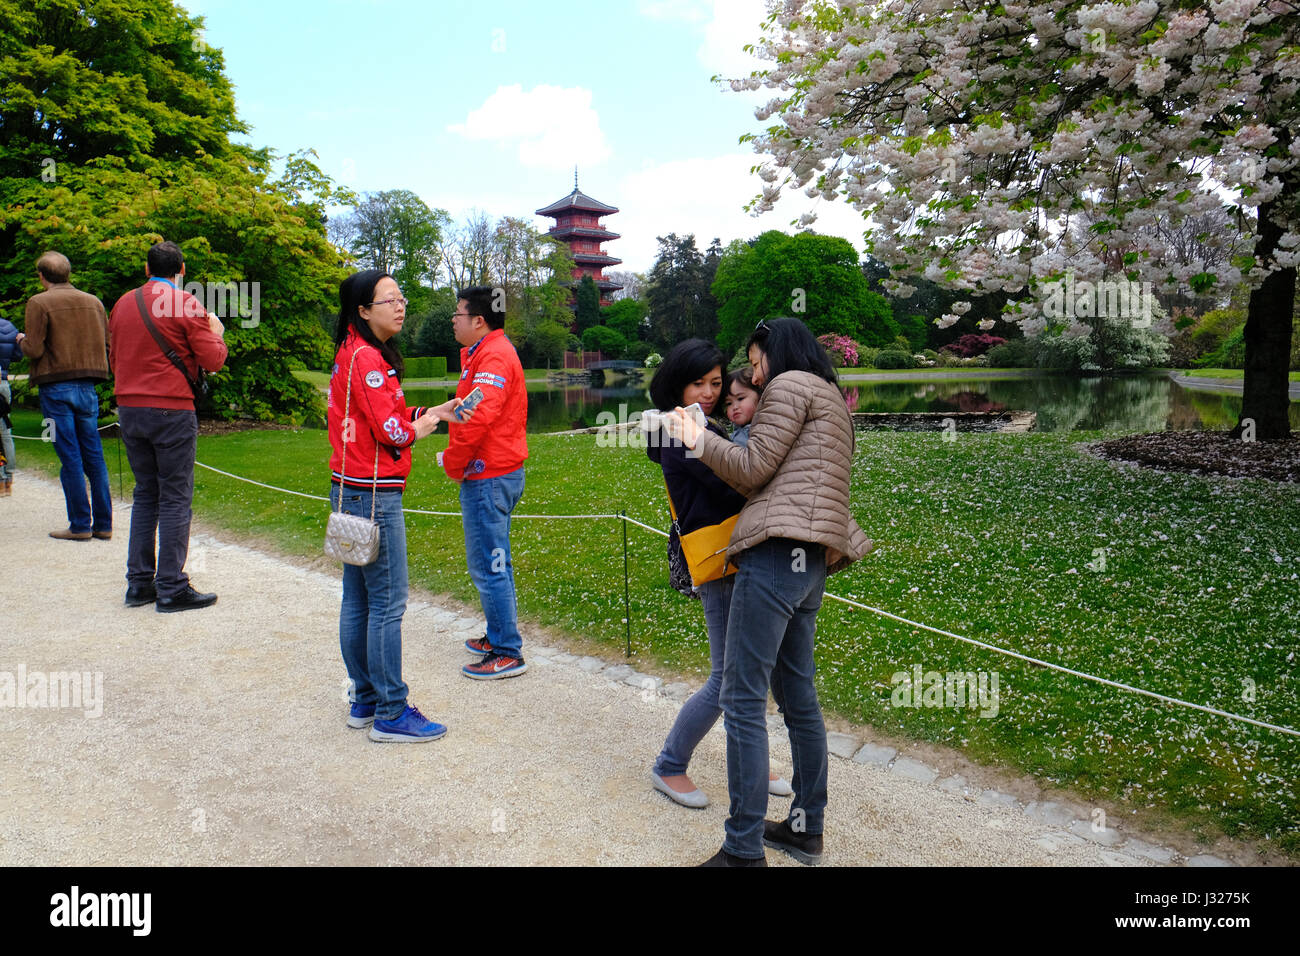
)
(483, 300)
(356, 291)
(164, 260)
(688, 362)
(790, 347)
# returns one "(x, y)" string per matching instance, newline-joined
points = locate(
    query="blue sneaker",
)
(411, 728)
(361, 716)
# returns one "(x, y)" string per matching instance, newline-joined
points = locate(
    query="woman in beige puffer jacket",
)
(795, 528)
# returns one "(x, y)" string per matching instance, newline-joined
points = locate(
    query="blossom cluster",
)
(999, 150)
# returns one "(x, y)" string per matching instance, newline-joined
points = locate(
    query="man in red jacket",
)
(485, 456)
(159, 427)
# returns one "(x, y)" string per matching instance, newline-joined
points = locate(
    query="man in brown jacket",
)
(66, 338)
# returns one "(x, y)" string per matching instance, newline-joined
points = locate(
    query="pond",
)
(1132, 403)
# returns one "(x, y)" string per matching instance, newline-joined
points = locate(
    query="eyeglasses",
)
(397, 301)
(462, 315)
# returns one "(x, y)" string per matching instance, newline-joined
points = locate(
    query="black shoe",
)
(804, 847)
(138, 595)
(723, 858)
(185, 601)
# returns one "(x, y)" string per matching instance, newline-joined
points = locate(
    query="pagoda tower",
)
(577, 222)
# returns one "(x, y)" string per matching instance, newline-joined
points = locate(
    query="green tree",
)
(115, 134)
(681, 303)
(625, 317)
(586, 312)
(600, 338)
(397, 232)
(815, 278)
(433, 334)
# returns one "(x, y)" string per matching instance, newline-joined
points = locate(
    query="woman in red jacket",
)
(371, 431)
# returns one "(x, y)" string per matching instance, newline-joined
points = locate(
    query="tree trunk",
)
(1268, 339)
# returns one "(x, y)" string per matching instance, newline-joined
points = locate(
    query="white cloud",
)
(734, 23)
(726, 26)
(554, 126)
(706, 196)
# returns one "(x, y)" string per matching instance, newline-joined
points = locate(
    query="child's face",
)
(741, 402)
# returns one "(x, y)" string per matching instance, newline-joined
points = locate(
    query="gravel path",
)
(222, 740)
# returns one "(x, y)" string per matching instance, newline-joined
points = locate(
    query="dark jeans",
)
(374, 600)
(486, 505)
(160, 445)
(73, 407)
(770, 637)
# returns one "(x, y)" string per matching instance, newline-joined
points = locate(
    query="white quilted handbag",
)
(352, 539)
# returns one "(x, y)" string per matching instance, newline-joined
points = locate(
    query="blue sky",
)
(488, 105)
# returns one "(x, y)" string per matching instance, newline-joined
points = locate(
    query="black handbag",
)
(200, 386)
(679, 572)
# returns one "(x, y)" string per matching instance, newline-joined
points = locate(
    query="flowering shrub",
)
(844, 352)
(891, 358)
(972, 344)
(653, 360)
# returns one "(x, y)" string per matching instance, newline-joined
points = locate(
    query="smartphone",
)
(469, 402)
(697, 413)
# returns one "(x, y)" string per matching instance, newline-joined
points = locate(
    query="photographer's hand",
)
(684, 426)
(426, 423)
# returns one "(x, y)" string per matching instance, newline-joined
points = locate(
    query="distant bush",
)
(891, 358)
(867, 357)
(653, 360)
(428, 368)
(1013, 353)
(638, 350)
(972, 344)
(1230, 354)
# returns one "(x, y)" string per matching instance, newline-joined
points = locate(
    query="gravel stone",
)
(996, 798)
(875, 754)
(1149, 851)
(1052, 813)
(842, 745)
(1107, 837)
(616, 671)
(914, 770)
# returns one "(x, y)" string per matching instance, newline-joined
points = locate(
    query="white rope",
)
(835, 597)
(1067, 670)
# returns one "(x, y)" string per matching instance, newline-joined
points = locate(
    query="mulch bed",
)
(1208, 453)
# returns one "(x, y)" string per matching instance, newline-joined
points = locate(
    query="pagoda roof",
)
(575, 201)
(584, 232)
(587, 258)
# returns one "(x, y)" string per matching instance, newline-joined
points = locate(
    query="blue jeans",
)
(485, 508)
(74, 409)
(6, 438)
(374, 600)
(701, 712)
(770, 637)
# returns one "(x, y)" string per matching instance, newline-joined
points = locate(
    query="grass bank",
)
(1178, 584)
(1229, 373)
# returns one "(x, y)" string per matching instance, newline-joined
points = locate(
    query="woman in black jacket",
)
(692, 373)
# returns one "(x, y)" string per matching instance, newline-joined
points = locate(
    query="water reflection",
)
(1139, 403)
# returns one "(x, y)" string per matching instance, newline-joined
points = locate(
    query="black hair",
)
(165, 260)
(484, 300)
(355, 291)
(687, 362)
(789, 346)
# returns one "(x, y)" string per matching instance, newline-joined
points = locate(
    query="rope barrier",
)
(835, 597)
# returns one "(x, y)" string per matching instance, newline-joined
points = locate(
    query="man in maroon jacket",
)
(159, 427)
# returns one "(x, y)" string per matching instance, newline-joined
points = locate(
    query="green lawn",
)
(990, 536)
(1224, 373)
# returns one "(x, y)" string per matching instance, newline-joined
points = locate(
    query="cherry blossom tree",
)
(974, 136)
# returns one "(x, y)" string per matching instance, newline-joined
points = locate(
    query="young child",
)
(741, 400)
